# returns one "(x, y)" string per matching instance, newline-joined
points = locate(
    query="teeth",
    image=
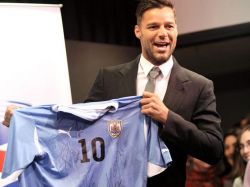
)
(161, 44)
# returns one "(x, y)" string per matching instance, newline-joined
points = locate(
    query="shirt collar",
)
(165, 68)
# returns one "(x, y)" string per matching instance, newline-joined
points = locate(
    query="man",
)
(183, 102)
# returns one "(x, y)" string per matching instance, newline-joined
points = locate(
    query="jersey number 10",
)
(97, 158)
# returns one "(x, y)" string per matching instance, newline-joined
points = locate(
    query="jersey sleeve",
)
(22, 143)
(159, 157)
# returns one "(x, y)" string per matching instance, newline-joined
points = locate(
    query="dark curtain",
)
(102, 21)
(110, 21)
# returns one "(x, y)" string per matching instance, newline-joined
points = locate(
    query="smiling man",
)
(183, 102)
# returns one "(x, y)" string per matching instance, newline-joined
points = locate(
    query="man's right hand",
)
(8, 113)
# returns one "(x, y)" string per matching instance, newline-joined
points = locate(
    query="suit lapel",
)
(176, 86)
(176, 90)
(128, 78)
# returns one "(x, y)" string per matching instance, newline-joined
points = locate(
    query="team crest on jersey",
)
(115, 128)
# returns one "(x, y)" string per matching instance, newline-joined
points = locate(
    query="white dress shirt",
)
(161, 82)
(161, 85)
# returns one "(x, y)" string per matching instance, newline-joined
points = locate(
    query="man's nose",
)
(163, 32)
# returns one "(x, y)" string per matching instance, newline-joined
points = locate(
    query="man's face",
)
(157, 32)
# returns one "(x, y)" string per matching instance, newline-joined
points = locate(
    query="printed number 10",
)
(94, 150)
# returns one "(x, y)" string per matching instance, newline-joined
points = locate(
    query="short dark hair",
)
(145, 5)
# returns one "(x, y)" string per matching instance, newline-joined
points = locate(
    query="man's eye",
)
(152, 27)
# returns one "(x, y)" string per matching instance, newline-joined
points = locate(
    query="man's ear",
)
(137, 31)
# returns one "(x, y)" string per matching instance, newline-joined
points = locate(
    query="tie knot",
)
(154, 72)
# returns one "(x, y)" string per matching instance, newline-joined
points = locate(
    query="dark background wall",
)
(100, 33)
(86, 58)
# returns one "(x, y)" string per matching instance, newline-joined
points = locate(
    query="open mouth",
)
(161, 46)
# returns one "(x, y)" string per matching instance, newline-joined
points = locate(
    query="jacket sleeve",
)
(201, 136)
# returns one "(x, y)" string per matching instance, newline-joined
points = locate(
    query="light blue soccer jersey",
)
(99, 144)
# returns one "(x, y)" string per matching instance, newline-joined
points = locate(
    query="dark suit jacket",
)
(193, 124)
